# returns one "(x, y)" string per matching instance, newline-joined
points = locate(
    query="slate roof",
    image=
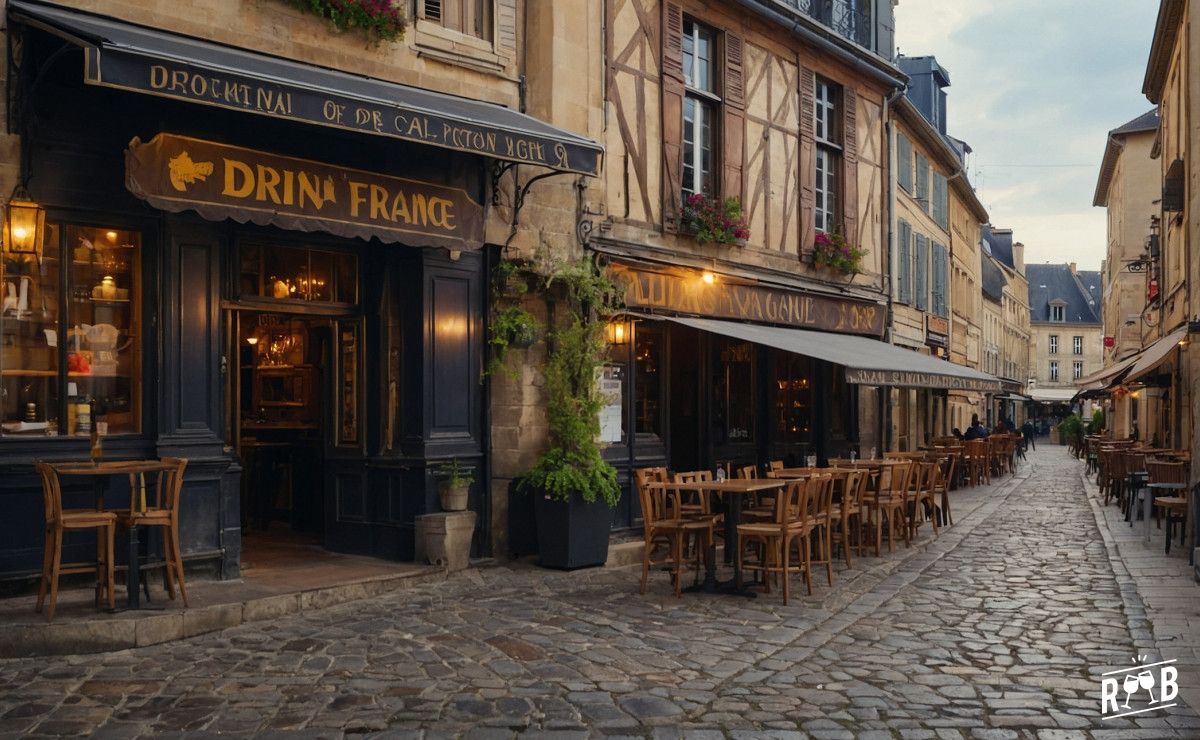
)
(1079, 292)
(1000, 244)
(993, 280)
(1148, 121)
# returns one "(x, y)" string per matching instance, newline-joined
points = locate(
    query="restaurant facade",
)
(276, 270)
(754, 348)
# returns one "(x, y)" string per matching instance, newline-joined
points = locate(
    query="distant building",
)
(1011, 336)
(1066, 329)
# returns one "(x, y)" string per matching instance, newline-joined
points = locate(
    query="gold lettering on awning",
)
(219, 181)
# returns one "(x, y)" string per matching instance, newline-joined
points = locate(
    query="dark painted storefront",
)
(391, 330)
(693, 399)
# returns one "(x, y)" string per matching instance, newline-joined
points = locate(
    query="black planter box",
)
(522, 524)
(571, 534)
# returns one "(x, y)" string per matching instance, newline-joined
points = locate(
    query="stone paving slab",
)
(997, 629)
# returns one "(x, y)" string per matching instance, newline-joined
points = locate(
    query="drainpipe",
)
(885, 436)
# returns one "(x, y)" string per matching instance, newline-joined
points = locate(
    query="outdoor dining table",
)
(101, 473)
(735, 491)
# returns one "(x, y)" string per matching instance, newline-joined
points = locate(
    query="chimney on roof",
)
(1019, 257)
(1072, 268)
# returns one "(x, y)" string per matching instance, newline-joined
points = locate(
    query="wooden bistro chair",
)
(846, 516)
(789, 528)
(58, 522)
(663, 526)
(946, 466)
(889, 503)
(975, 460)
(1170, 480)
(920, 499)
(164, 514)
(773, 467)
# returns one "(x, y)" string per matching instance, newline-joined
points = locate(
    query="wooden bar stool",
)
(58, 522)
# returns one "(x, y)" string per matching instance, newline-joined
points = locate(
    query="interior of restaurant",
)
(281, 386)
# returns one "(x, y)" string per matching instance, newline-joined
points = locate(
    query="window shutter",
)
(808, 160)
(733, 131)
(941, 206)
(939, 279)
(506, 25)
(921, 272)
(672, 113)
(432, 10)
(850, 165)
(904, 167)
(904, 264)
(922, 193)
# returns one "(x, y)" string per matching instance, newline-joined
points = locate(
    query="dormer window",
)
(1058, 311)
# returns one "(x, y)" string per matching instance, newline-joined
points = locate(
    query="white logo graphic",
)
(1160, 681)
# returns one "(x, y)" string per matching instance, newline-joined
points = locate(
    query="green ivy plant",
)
(573, 464)
(512, 326)
(383, 20)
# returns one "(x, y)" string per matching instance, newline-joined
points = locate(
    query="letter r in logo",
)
(1108, 696)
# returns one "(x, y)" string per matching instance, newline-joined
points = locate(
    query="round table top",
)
(110, 467)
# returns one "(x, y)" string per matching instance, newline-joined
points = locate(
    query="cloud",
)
(1035, 88)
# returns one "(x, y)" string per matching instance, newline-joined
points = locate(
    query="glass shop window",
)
(793, 398)
(733, 386)
(71, 334)
(647, 363)
(298, 274)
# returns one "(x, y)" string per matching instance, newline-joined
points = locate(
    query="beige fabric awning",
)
(1102, 377)
(1053, 395)
(1156, 354)
(867, 361)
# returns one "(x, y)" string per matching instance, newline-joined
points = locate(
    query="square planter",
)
(571, 534)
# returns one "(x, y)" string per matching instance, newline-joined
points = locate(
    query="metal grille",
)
(851, 19)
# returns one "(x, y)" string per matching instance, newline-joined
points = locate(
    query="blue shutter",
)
(921, 272)
(941, 205)
(939, 280)
(922, 194)
(904, 166)
(904, 264)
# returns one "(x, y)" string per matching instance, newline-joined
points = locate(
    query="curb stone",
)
(112, 635)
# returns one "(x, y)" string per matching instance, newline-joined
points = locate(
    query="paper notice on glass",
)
(611, 428)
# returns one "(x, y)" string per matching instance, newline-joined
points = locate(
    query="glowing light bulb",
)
(708, 277)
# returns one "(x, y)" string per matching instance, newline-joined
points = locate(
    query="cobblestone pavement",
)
(998, 629)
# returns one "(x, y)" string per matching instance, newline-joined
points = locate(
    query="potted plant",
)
(833, 252)
(573, 487)
(453, 485)
(710, 219)
(512, 326)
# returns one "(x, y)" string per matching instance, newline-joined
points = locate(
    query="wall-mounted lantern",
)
(24, 225)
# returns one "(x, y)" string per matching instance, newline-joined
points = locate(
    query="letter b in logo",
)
(1168, 683)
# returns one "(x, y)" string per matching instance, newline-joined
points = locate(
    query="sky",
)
(1035, 87)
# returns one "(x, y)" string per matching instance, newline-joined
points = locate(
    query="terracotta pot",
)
(453, 498)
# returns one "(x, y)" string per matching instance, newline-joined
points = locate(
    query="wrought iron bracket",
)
(499, 170)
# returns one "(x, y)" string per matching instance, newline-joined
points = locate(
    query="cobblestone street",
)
(998, 629)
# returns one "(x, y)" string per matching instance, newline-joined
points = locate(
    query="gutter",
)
(840, 52)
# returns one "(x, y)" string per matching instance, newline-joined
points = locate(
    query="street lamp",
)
(617, 332)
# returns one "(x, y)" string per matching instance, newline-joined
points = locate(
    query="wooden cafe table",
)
(735, 491)
(101, 473)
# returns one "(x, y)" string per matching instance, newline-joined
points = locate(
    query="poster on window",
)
(610, 386)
